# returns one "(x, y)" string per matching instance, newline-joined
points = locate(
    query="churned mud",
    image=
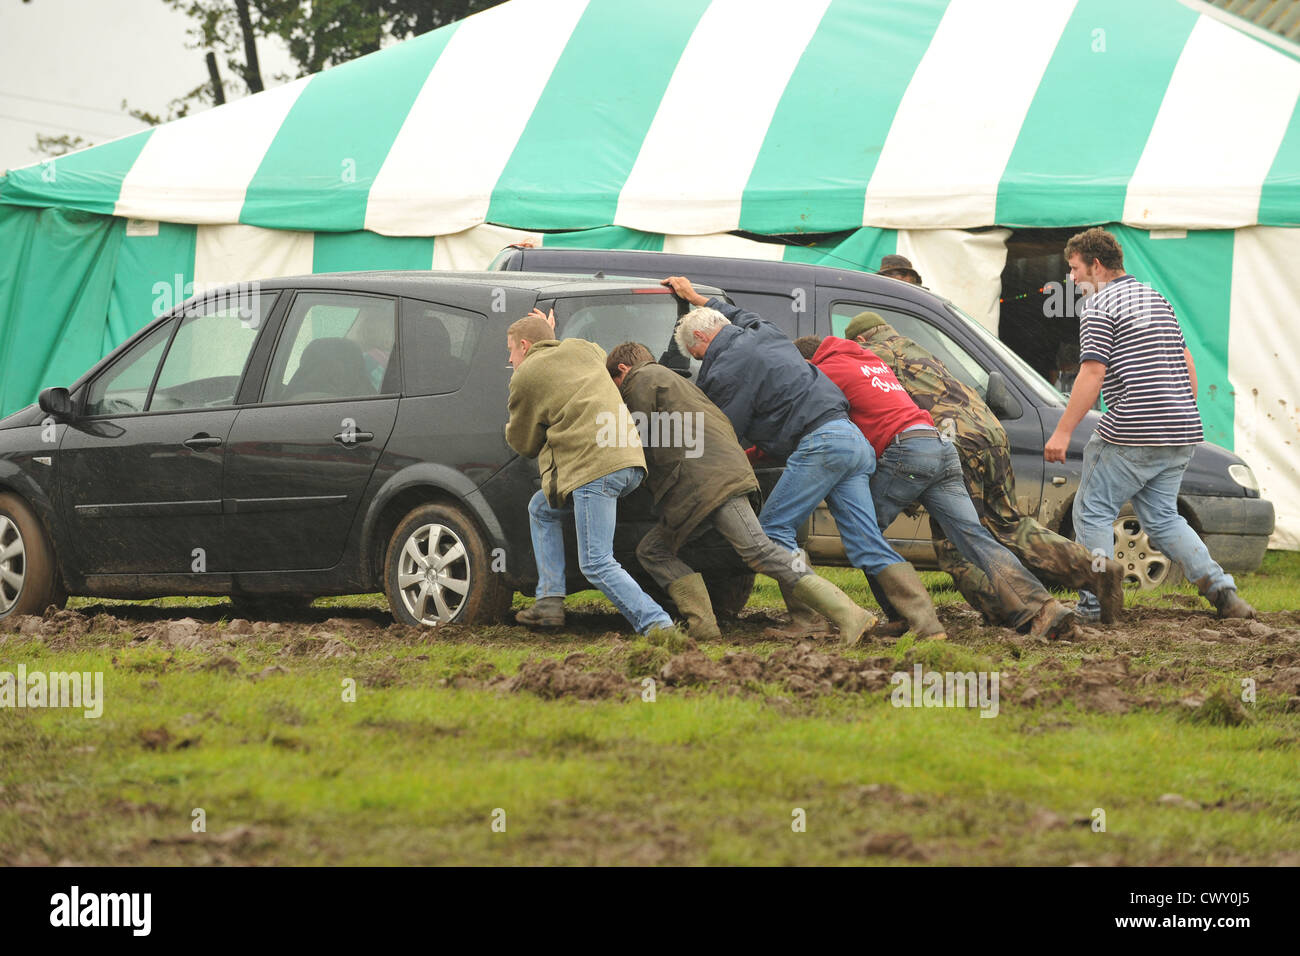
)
(1165, 657)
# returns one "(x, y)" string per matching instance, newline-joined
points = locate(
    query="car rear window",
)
(647, 317)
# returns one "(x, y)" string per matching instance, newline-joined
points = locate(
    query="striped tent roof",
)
(706, 116)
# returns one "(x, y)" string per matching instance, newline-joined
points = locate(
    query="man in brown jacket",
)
(566, 413)
(700, 478)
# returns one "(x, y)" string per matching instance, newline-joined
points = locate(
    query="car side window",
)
(123, 388)
(780, 310)
(437, 344)
(938, 343)
(334, 346)
(206, 358)
(610, 320)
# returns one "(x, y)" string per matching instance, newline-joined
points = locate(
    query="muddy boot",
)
(905, 590)
(1225, 600)
(886, 628)
(843, 612)
(692, 598)
(545, 612)
(893, 624)
(1108, 585)
(1054, 621)
(1229, 604)
(804, 621)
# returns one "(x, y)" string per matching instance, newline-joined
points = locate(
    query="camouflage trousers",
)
(1056, 561)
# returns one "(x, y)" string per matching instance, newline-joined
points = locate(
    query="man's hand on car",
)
(683, 289)
(549, 317)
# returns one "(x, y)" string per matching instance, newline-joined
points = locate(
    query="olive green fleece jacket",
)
(566, 412)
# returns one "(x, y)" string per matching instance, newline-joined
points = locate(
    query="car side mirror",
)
(999, 397)
(57, 403)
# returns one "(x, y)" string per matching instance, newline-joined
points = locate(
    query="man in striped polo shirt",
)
(1131, 349)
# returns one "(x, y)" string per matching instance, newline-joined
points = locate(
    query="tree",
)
(52, 146)
(325, 33)
(229, 27)
(319, 34)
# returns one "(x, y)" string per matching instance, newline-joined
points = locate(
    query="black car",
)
(327, 434)
(1219, 496)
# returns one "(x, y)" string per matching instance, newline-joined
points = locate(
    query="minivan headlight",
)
(1243, 476)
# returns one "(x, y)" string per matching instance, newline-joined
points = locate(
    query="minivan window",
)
(1025, 372)
(610, 320)
(501, 258)
(780, 310)
(437, 344)
(206, 358)
(124, 387)
(334, 346)
(938, 343)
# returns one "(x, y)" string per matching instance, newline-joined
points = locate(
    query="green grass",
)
(287, 771)
(413, 774)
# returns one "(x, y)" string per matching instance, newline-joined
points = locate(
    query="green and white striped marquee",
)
(928, 127)
(695, 117)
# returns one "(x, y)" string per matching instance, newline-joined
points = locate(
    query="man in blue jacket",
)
(789, 409)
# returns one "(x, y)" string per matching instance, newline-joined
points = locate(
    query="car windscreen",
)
(499, 261)
(1024, 371)
(647, 317)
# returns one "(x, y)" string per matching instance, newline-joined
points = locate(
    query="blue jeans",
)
(1149, 476)
(832, 463)
(928, 470)
(594, 507)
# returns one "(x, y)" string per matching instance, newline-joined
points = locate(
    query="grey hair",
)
(702, 319)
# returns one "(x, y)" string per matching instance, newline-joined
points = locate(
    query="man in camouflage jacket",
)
(985, 453)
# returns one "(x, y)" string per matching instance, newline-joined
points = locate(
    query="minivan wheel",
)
(438, 571)
(1145, 566)
(29, 580)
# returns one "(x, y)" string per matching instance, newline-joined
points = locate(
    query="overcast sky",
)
(66, 66)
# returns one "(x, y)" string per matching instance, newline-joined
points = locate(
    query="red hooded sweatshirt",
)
(877, 403)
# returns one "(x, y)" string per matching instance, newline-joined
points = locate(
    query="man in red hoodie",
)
(915, 464)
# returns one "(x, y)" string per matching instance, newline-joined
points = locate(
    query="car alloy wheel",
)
(1145, 566)
(13, 564)
(433, 574)
(29, 578)
(439, 569)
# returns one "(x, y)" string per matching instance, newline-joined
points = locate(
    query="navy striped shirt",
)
(1131, 328)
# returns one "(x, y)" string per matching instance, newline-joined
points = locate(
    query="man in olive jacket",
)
(700, 478)
(566, 413)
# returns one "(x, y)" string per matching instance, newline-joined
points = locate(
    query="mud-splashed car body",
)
(308, 436)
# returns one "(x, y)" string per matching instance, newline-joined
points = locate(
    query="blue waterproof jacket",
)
(773, 397)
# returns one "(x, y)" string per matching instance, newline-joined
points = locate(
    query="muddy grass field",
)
(337, 737)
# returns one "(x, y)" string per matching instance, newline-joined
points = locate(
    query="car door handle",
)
(352, 438)
(202, 440)
(1058, 480)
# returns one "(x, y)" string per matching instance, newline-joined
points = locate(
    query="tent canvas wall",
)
(929, 128)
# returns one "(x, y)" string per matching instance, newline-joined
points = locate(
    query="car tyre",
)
(29, 577)
(437, 570)
(1146, 567)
